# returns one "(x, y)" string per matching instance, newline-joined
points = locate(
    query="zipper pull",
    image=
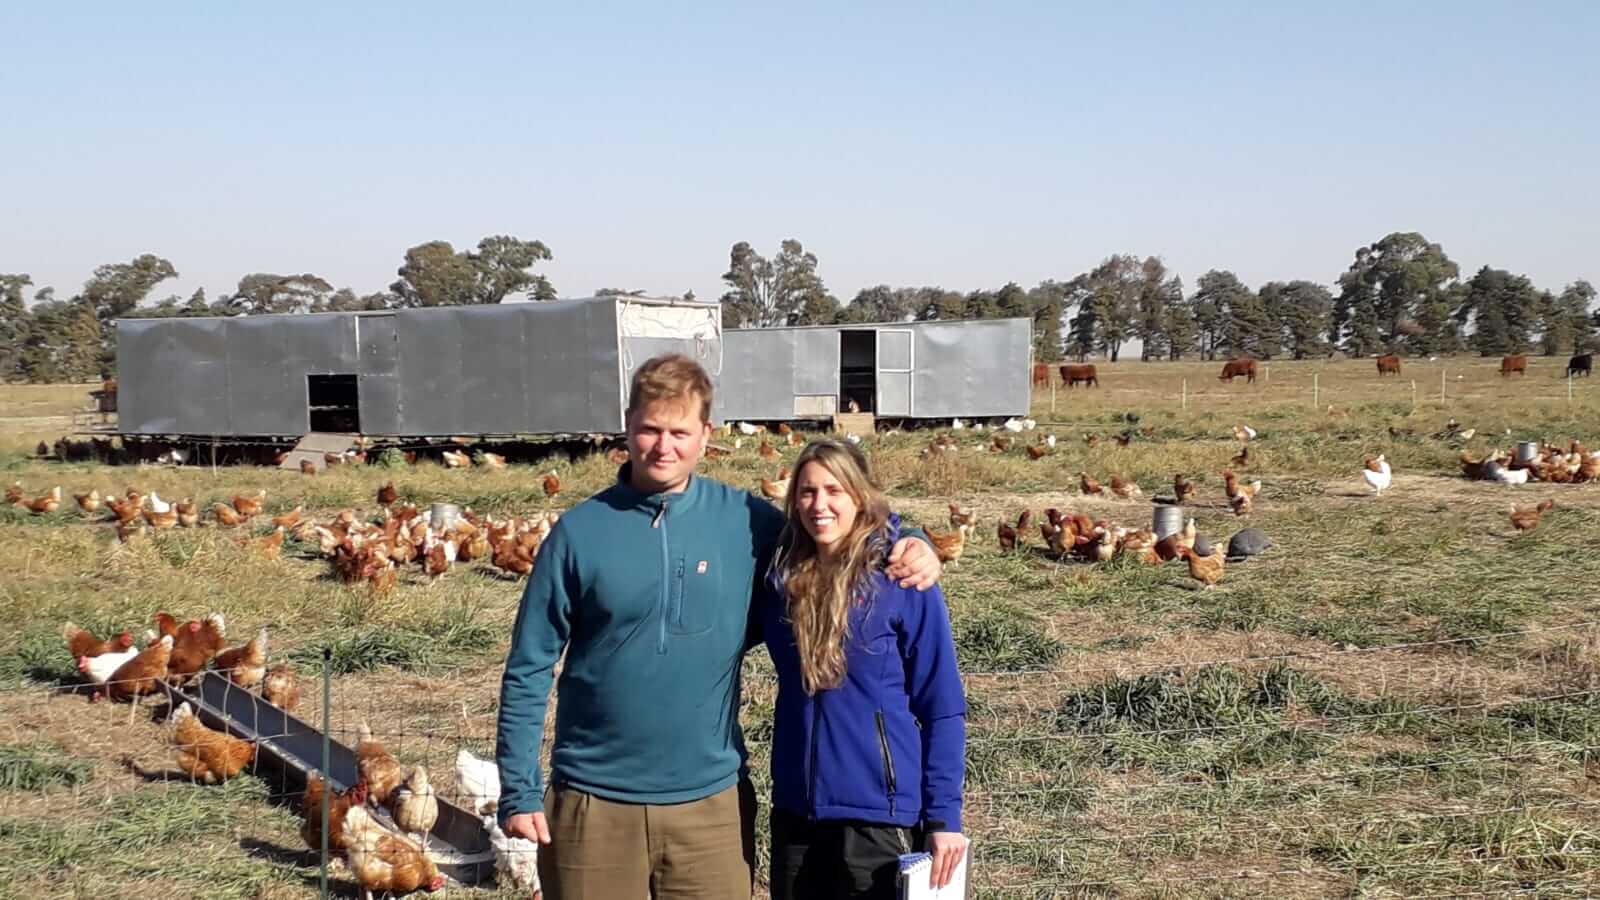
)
(656, 522)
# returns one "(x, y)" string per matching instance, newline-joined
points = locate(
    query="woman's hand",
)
(946, 848)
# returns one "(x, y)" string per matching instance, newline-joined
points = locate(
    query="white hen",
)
(1377, 474)
(479, 781)
(1013, 425)
(1511, 476)
(158, 505)
(516, 860)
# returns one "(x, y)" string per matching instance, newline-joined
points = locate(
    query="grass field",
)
(1397, 700)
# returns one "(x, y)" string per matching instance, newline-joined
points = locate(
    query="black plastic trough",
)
(458, 844)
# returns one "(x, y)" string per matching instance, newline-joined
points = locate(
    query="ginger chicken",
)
(250, 505)
(1007, 536)
(379, 769)
(1183, 488)
(188, 513)
(383, 861)
(226, 515)
(949, 544)
(89, 502)
(81, 643)
(194, 646)
(963, 515)
(205, 755)
(1037, 451)
(1127, 490)
(1525, 519)
(339, 804)
(1242, 458)
(1207, 570)
(414, 806)
(290, 518)
(281, 688)
(141, 675)
(387, 494)
(552, 485)
(245, 665)
(1089, 485)
(48, 503)
(271, 546)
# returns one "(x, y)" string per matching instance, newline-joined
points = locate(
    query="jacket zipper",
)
(659, 523)
(811, 776)
(888, 759)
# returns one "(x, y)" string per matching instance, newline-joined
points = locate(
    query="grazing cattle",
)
(1582, 364)
(1509, 364)
(1071, 375)
(1236, 367)
(1388, 365)
(1041, 375)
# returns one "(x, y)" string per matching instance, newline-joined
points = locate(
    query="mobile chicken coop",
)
(558, 367)
(975, 368)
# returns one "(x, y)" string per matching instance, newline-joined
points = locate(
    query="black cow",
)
(1582, 364)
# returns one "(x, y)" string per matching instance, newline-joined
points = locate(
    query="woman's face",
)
(827, 511)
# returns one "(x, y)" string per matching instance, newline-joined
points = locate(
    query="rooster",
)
(81, 643)
(245, 665)
(1526, 519)
(382, 861)
(206, 755)
(281, 688)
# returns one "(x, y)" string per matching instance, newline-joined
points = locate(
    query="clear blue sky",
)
(907, 145)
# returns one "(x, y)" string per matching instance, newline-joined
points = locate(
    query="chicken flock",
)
(392, 860)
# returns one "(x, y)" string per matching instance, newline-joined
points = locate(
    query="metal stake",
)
(1316, 389)
(327, 781)
(1185, 399)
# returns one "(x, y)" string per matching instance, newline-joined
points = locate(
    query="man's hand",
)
(946, 848)
(529, 825)
(913, 564)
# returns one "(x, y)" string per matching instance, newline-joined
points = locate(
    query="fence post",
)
(327, 781)
(1441, 384)
(1316, 387)
(1184, 401)
(1413, 393)
(1052, 398)
(1569, 388)
(1266, 374)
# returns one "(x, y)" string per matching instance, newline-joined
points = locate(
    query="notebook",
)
(917, 868)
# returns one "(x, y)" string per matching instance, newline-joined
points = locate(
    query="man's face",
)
(665, 440)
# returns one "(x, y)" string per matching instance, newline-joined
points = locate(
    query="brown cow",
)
(1388, 365)
(1236, 367)
(1509, 364)
(1071, 375)
(1041, 374)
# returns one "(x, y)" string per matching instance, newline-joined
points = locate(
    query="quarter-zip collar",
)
(657, 502)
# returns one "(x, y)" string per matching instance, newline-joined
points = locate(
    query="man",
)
(647, 586)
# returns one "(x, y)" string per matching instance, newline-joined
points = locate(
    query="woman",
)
(861, 662)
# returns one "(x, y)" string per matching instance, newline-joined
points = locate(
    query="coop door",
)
(333, 403)
(894, 372)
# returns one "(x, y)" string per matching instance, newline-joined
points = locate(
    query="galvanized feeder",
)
(443, 516)
(1167, 519)
(1527, 451)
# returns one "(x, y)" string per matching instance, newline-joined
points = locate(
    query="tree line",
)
(1401, 294)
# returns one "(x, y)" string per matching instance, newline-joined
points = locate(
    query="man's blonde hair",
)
(672, 377)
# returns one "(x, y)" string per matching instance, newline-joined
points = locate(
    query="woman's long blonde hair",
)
(821, 590)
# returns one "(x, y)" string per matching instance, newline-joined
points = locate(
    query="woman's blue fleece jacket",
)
(886, 746)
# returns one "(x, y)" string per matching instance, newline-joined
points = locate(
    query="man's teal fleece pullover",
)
(650, 596)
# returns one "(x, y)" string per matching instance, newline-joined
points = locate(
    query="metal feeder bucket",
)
(1526, 451)
(442, 516)
(1167, 520)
